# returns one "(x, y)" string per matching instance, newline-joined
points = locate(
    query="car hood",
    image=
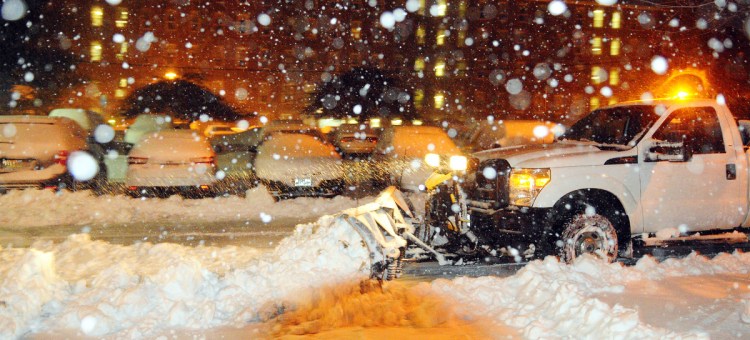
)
(554, 155)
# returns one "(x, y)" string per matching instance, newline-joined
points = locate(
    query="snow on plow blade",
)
(384, 226)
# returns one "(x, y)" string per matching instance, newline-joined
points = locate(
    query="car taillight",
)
(137, 160)
(61, 157)
(202, 160)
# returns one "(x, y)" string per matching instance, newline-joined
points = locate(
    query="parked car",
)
(144, 124)
(34, 151)
(401, 150)
(100, 138)
(355, 140)
(235, 157)
(88, 120)
(236, 153)
(171, 162)
(293, 164)
(504, 133)
(219, 129)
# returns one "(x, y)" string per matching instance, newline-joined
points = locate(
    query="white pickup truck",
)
(622, 174)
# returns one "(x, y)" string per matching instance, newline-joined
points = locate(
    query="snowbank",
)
(548, 299)
(99, 289)
(36, 208)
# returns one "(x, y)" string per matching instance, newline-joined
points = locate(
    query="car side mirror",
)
(659, 150)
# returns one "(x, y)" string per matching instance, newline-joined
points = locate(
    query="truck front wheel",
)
(588, 234)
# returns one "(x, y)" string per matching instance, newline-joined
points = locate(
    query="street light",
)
(170, 75)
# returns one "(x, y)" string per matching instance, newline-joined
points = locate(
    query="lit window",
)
(462, 9)
(422, 7)
(419, 64)
(124, 48)
(614, 47)
(440, 38)
(596, 45)
(594, 103)
(596, 77)
(616, 20)
(442, 8)
(123, 82)
(356, 30)
(612, 101)
(420, 35)
(439, 68)
(122, 18)
(614, 76)
(418, 98)
(120, 93)
(461, 37)
(97, 16)
(96, 51)
(461, 68)
(439, 100)
(598, 18)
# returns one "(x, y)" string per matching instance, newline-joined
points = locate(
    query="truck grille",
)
(490, 193)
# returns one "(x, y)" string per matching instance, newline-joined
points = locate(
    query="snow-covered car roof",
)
(39, 137)
(172, 143)
(415, 141)
(292, 145)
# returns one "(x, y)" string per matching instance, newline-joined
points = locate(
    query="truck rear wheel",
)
(589, 234)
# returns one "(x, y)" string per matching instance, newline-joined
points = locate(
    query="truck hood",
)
(554, 155)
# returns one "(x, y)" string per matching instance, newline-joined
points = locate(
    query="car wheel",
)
(589, 234)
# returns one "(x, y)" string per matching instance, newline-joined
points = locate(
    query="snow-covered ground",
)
(311, 284)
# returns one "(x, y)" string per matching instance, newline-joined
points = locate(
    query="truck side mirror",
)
(658, 150)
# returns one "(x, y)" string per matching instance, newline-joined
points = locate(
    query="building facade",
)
(461, 59)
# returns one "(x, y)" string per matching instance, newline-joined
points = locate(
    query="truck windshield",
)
(617, 126)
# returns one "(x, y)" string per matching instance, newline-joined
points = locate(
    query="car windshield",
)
(616, 126)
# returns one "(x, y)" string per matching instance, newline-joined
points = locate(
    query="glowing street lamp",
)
(170, 75)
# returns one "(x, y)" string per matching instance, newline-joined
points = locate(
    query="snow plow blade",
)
(384, 225)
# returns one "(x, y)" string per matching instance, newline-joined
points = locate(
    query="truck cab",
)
(619, 173)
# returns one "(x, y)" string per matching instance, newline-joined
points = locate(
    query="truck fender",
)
(550, 196)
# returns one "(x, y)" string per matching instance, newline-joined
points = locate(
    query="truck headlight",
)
(525, 185)
(432, 159)
(458, 163)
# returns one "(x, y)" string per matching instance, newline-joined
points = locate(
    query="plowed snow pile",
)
(35, 208)
(548, 299)
(96, 288)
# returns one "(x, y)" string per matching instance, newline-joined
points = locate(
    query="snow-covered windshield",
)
(617, 126)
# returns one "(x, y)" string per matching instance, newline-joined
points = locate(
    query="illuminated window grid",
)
(97, 16)
(95, 51)
(122, 19)
(595, 75)
(418, 98)
(598, 18)
(616, 20)
(596, 45)
(419, 64)
(439, 100)
(594, 103)
(421, 33)
(614, 47)
(439, 68)
(614, 76)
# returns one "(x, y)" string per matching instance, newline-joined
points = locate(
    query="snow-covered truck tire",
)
(589, 234)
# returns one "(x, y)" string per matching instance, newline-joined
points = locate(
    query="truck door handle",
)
(731, 172)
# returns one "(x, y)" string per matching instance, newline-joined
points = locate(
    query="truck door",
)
(701, 193)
